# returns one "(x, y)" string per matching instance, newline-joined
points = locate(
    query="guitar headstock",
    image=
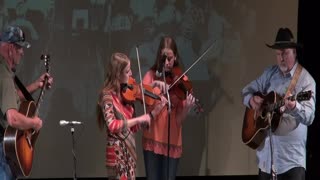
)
(303, 96)
(46, 58)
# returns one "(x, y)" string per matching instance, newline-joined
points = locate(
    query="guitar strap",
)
(23, 89)
(286, 126)
(294, 80)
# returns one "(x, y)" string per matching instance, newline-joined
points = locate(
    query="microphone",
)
(160, 69)
(71, 123)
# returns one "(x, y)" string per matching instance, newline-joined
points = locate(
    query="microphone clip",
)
(69, 123)
(159, 72)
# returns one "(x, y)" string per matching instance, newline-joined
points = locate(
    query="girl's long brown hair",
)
(166, 42)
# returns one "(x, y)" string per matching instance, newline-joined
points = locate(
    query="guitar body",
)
(255, 123)
(19, 144)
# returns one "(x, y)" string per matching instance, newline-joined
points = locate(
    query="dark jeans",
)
(297, 173)
(156, 166)
(5, 172)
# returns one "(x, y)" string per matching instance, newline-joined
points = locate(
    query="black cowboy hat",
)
(284, 40)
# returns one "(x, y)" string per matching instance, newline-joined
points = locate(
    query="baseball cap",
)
(13, 34)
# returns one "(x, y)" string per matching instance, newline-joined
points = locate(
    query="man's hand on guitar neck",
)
(255, 102)
(41, 81)
(288, 104)
(38, 84)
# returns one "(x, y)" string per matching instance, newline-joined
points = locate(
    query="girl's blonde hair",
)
(113, 70)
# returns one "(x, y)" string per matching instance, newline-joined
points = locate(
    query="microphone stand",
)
(169, 119)
(273, 169)
(74, 154)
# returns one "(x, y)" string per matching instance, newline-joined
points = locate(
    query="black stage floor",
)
(246, 177)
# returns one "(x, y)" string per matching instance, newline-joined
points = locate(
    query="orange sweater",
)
(156, 137)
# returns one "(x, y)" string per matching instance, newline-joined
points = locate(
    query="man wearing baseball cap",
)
(282, 154)
(12, 44)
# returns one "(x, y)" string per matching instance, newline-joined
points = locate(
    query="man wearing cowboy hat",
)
(283, 152)
(12, 44)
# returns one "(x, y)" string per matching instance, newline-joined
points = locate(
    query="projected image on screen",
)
(80, 37)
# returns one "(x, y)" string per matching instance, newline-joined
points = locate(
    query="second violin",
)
(181, 86)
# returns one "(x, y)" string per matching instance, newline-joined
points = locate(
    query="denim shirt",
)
(289, 149)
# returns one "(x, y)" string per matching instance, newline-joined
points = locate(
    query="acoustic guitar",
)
(19, 144)
(256, 123)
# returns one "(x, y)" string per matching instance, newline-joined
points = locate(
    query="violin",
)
(181, 86)
(131, 92)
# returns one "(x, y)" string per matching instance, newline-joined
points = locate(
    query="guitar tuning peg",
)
(45, 57)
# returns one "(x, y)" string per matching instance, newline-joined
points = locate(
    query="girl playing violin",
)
(155, 139)
(118, 118)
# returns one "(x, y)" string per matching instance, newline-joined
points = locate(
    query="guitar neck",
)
(46, 59)
(299, 97)
(280, 103)
(41, 95)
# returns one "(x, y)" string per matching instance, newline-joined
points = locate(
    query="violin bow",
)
(194, 63)
(141, 86)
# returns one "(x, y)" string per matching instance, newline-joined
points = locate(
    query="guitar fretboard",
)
(306, 95)
(40, 99)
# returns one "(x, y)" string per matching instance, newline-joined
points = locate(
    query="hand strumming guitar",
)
(255, 102)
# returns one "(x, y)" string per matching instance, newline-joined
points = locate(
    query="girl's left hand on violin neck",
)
(189, 102)
(161, 85)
